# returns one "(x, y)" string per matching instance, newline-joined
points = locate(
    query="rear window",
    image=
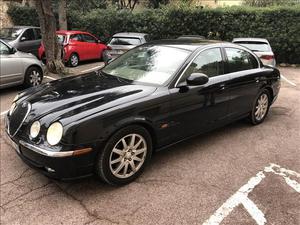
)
(256, 46)
(124, 41)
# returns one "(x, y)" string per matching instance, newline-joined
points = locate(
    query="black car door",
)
(244, 85)
(196, 109)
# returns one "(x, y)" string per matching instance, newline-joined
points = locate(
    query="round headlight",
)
(12, 108)
(54, 133)
(35, 129)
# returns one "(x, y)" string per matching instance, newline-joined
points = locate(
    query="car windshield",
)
(125, 41)
(256, 46)
(10, 33)
(60, 38)
(148, 64)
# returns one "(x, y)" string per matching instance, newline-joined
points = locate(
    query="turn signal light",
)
(81, 151)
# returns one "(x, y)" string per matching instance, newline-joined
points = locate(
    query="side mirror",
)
(196, 79)
(23, 38)
(12, 50)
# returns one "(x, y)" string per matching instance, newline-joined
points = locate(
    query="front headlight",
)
(12, 108)
(54, 133)
(35, 129)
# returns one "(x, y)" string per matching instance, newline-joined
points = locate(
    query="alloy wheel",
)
(261, 108)
(35, 78)
(128, 156)
(74, 60)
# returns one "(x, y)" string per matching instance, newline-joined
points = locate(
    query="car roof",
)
(187, 44)
(130, 34)
(191, 37)
(251, 40)
(22, 27)
(70, 32)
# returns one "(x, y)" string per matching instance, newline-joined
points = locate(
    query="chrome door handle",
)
(222, 87)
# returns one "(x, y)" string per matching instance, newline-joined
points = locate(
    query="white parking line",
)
(288, 81)
(3, 113)
(241, 196)
(48, 77)
(91, 69)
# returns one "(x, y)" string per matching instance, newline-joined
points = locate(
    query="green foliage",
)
(280, 25)
(266, 3)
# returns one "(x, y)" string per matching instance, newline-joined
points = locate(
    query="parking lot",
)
(239, 174)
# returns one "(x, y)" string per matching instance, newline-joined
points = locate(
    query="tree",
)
(156, 3)
(48, 29)
(265, 3)
(86, 6)
(62, 14)
(126, 4)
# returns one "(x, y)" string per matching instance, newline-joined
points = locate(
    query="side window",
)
(209, 62)
(4, 50)
(88, 38)
(76, 37)
(239, 60)
(38, 35)
(28, 35)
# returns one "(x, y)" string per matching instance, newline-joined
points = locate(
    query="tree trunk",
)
(62, 14)
(48, 30)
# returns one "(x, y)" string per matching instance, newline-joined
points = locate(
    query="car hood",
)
(20, 54)
(81, 96)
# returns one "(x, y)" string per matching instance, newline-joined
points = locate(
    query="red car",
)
(78, 46)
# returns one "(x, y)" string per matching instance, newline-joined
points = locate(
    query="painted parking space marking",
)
(91, 69)
(50, 78)
(241, 196)
(288, 81)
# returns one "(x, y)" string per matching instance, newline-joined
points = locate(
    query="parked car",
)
(261, 47)
(192, 37)
(23, 38)
(78, 46)
(109, 122)
(122, 42)
(18, 67)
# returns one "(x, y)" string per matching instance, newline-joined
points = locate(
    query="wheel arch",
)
(33, 65)
(270, 90)
(139, 122)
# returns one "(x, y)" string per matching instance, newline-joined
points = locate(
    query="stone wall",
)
(4, 18)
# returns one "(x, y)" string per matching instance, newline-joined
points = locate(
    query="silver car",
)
(122, 42)
(18, 67)
(24, 38)
(260, 46)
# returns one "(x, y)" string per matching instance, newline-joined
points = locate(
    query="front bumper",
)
(58, 165)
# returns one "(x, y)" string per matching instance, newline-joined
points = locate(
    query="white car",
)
(260, 46)
(18, 67)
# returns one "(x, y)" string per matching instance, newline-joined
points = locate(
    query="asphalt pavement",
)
(238, 175)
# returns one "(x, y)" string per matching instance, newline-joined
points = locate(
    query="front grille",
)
(17, 117)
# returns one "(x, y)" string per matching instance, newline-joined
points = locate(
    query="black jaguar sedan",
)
(109, 122)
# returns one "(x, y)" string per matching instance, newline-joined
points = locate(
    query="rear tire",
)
(260, 107)
(73, 60)
(124, 156)
(33, 76)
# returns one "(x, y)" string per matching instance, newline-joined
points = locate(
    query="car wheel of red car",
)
(74, 60)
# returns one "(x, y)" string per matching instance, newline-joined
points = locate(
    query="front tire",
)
(260, 107)
(125, 155)
(33, 76)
